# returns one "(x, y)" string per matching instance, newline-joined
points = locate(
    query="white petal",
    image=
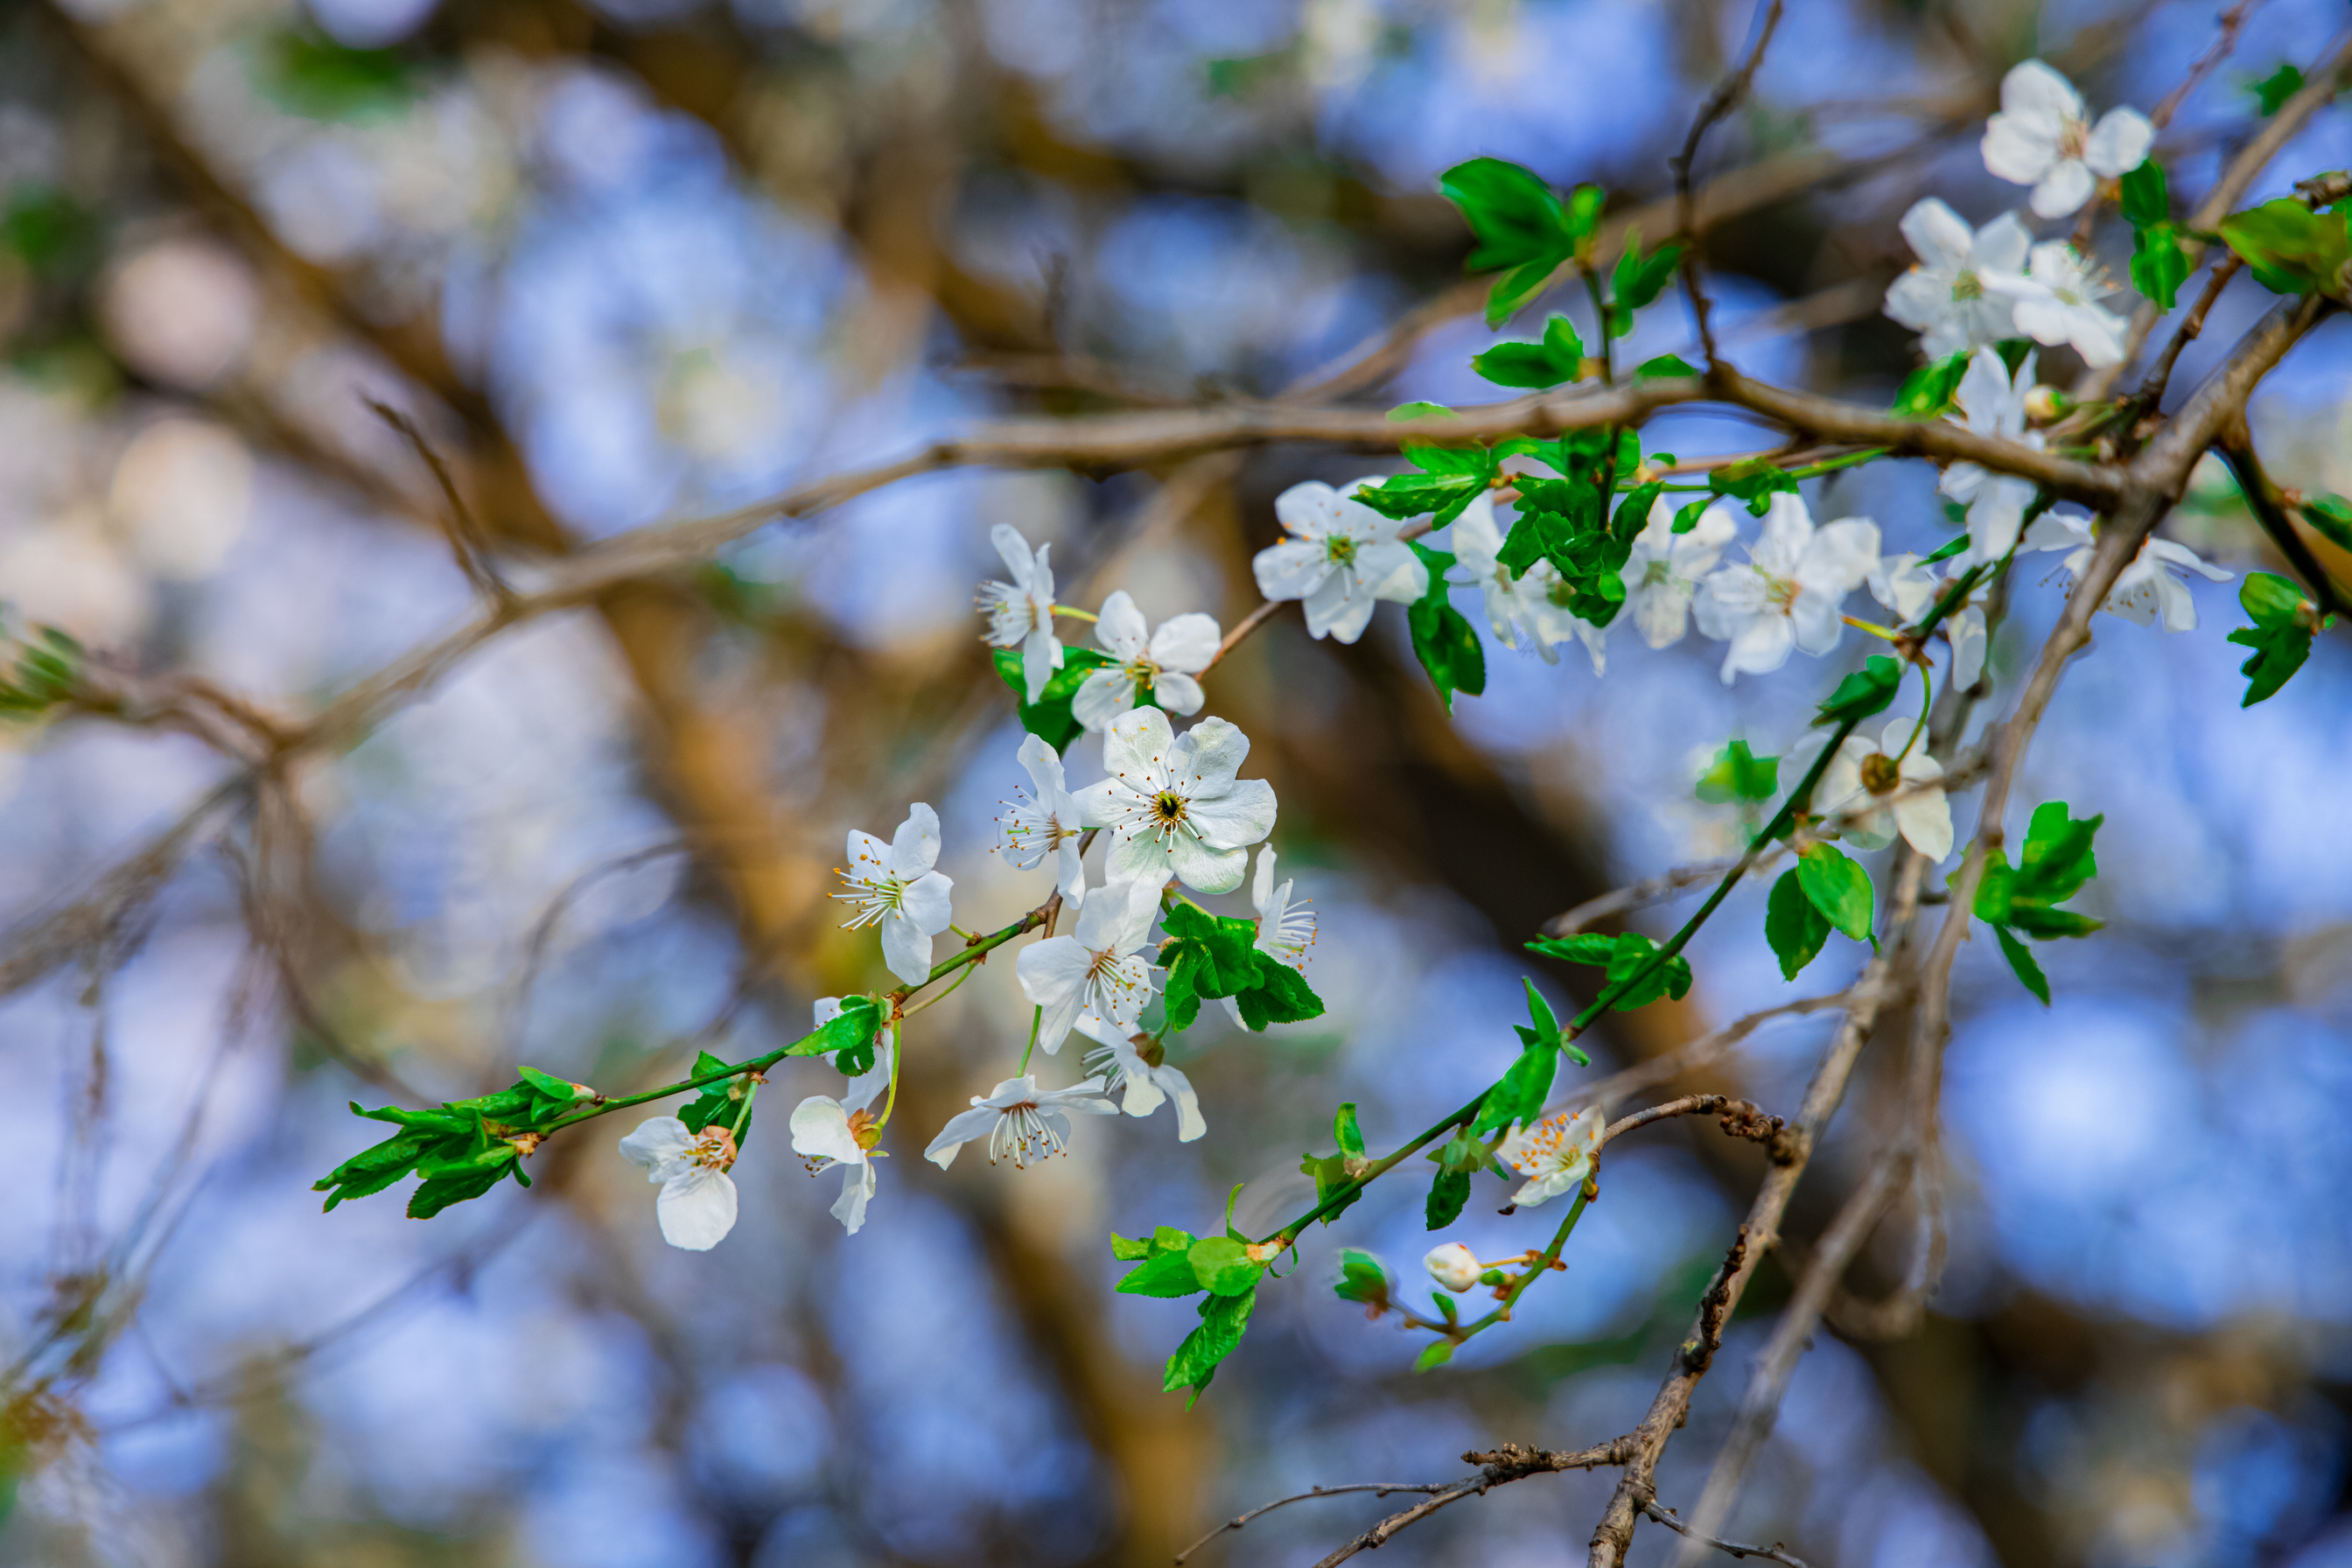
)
(1966, 631)
(1015, 552)
(1926, 820)
(1838, 559)
(1393, 572)
(2063, 190)
(1291, 569)
(2039, 96)
(1307, 509)
(2015, 151)
(915, 848)
(1815, 622)
(1188, 1122)
(1759, 647)
(1338, 608)
(1041, 656)
(658, 1140)
(1054, 970)
(1240, 817)
(1262, 886)
(1178, 693)
(1212, 751)
(1185, 644)
(1103, 697)
(961, 1129)
(1205, 869)
(2001, 246)
(1938, 235)
(2120, 142)
(1136, 748)
(868, 857)
(1044, 766)
(906, 949)
(1119, 627)
(821, 1127)
(857, 1182)
(696, 1208)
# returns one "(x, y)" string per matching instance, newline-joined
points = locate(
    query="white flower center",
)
(1021, 1134)
(1339, 549)
(874, 897)
(1967, 285)
(1549, 1147)
(712, 1148)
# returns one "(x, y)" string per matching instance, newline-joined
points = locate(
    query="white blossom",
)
(1162, 663)
(1792, 591)
(1555, 1154)
(1477, 543)
(829, 1131)
(1021, 613)
(1125, 1059)
(696, 1206)
(1966, 631)
(1945, 297)
(1047, 826)
(1341, 557)
(2044, 137)
(1665, 568)
(1021, 1122)
(1096, 969)
(1283, 932)
(1904, 586)
(1454, 1265)
(2057, 302)
(892, 885)
(2146, 590)
(1992, 404)
(1883, 795)
(1174, 805)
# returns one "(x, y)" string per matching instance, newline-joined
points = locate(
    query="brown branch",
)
(1378, 1488)
(467, 542)
(1666, 1516)
(1758, 1233)
(1738, 1119)
(1727, 92)
(1499, 1466)
(2231, 23)
(2270, 506)
(2150, 395)
(1697, 1053)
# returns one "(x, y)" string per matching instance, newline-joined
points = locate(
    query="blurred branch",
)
(1378, 1488)
(2231, 23)
(1719, 102)
(1666, 1516)
(1499, 1467)
(2271, 507)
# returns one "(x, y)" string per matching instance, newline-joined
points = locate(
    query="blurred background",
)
(626, 260)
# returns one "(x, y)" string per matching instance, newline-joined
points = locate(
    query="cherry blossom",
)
(1021, 613)
(1555, 1154)
(1877, 790)
(1021, 1122)
(2044, 137)
(829, 1131)
(1477, 543)
(2148, 589)
(1283, 932)
(1665, 568)
(1173, 804)
(1792, 591)
(1946, 298)
(1047, 826)
(1904, 585)
(1993, 404)
(1124, 1058)
(2057, 302)
(892, 885)
(1967, 634)
(1161, 663)
(1341, 558)
(695, 1207)
(1097, 969)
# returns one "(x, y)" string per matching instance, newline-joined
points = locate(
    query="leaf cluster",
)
(1176, 1263)
(2159, 266)
(462, 1149)
(47, 672)
(2290, 248)
(1622, 957)
(1442, 638)
(1928, 393)
(1335, 1174)
(1524, 228)
(2285, 620)
(1210, 955)
(2051, 868)
(1826, 891)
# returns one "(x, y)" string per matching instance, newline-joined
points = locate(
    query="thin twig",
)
(1740, 1118)
(467, 542)
(1727, 92)
(1666, 1516)
(2269, 505)
(2231, 22)
(1500, 1466)
(1378, 1488)
(2150, 396)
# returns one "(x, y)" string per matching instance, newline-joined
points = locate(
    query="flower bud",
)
(1454, 1265)
(2045, 403)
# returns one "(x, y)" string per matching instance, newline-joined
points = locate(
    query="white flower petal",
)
(2063, 190)
(1178, 693)
(821, 1127)
(696, 1208)
(2120, 142)
(1103, 697)
(1119, 627)
(1185, 644)
(1291, 569)
(658, 1142)
(906, 949)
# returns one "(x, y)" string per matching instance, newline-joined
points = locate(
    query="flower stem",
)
(1074, 613)
(1037, 1019)
(890, 1094)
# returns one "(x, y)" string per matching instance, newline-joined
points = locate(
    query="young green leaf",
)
(1795, 929)
(1447, 1194)
(2281, 636)
(1443, 638)
(1866, 691)
(1224, 1265)
(2331, 515)
(1639, 279)
(1434, 1354)
(1838, 888)
(1737, 774)
(1130, 1249)
(2290, 248)
(1224, 1320)
(1279, 995)
(1520, 224)
(1363, 1279)
(1928, 393)
(1755, 480)
(2022, 964)
(1518, 1095)
(1330, 1175)
(1558, 359)
(1351, 1136)
(1664, 367)
(2272, 93)
(1049, 718)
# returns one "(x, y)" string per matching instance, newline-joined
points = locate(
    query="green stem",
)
(1517, 1288)
(1036, 1021)
(1601, 324)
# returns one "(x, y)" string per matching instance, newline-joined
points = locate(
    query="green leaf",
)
(847, 1038)
(55, 235)
(1584, 947)
(439, 1193)
(1279, 996)
(1945, 550)
(1218, 954)
(1795, 929)
(1558, 359)
(1435, 1354)
(2144, 195)
(1756, 481)
(1639, 279)
(2289, 248)
(2021, 962)
(1224, 1320)
(1330, 1173)
(2159, 266)
(1631, 954)
(1443, 638)
(1164, 1273)
(1866, 691)
(2057, 859)
(2331, 515)
(2272, 600)
(1363, 1279)
(1049, 718)
(1737, 774)
(2272, 93)
(1447, 1194)
(1686, 516)
(1404, 412)
(1928, 393)
(1518, 1095)
(1224, 1265)
(1664, 367)
(1130, 1249)
(717, 1100)
(1515, 214)
(1181, 995)
(1837, 886)
(2279, 652)
(1351, 1136)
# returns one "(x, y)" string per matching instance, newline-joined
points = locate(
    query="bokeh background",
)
(633, 260)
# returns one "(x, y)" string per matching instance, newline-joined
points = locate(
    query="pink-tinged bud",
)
(1454, 1265)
